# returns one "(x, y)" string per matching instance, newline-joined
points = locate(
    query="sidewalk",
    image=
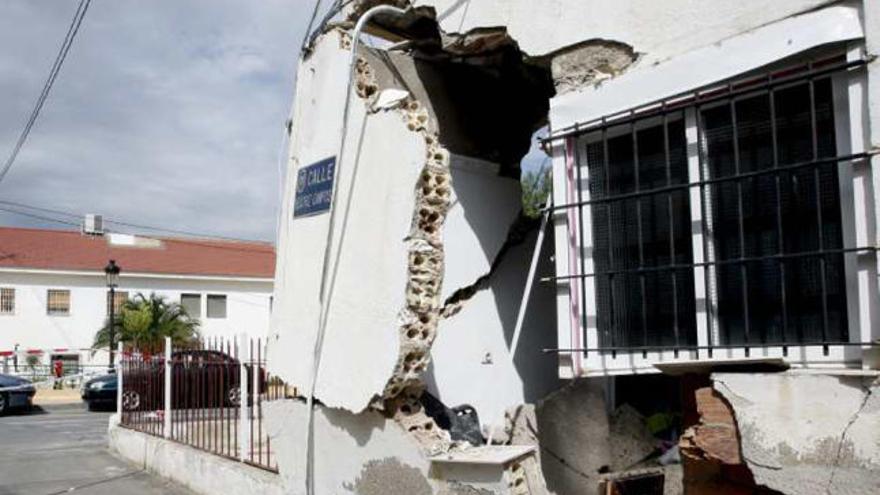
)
(55, 398)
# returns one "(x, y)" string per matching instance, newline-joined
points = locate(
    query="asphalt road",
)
(64, 450)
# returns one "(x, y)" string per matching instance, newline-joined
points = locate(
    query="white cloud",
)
(165, 113)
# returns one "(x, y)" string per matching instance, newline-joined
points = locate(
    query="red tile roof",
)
(71, 250)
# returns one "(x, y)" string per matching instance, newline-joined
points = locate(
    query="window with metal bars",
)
(778, 282)
(715, 217)
(119, 298)
(635, 237)
(7, 301)
(57, 302)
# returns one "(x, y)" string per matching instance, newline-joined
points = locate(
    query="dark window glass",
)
(776, 299)
(636, 306)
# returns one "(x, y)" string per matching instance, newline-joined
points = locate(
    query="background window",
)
(120, 298)
(7, 301)
(192, 303)
(216, 306)
(58, 302)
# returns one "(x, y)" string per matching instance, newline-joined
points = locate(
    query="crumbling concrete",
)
(589, 62)
(437, 129)
(803, 433)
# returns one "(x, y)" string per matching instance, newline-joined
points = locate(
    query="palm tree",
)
(144, 322)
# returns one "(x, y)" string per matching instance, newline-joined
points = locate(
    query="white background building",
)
(53, 294)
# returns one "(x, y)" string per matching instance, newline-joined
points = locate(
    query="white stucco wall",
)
(658, 30)
(373, 221)
(475, 361)
(344, 444)
(247, 308)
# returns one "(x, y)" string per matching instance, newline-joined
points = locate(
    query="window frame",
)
(578, 356)
(225, 306)
(66, 312)
(195, 295)
(119, 294)
(12, 306)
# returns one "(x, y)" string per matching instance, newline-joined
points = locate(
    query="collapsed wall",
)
(427, 194)
(427, 265)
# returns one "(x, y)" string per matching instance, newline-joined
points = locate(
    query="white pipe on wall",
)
(325, 292)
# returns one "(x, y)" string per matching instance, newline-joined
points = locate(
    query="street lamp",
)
(112, 273)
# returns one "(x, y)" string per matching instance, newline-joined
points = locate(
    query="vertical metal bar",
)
(669, 205)
(244, 441)
(251, 400)
(229, 437)
(780, 232)
(580, 216)
(814, 133)
(640, 239)
(257, 373)
(120, 382)
(743, 269)
(704, 199)
(612, 323)
(236, 409)
(166, 426)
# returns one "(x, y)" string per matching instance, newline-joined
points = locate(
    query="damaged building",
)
(696, 310)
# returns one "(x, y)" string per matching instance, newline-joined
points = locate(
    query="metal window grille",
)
(58, 302)
(7, 301)
(119, 300)
(769, 216)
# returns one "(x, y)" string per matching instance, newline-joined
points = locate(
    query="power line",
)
(78, 16)
(39, 217)
(123, 223)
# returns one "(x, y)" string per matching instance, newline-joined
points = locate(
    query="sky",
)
(166, 113)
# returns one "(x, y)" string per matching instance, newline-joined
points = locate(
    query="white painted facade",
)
(478, 357)
(30, 327)
(838, 29)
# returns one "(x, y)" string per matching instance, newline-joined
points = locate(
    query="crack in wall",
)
(841, 442)
(516, 235)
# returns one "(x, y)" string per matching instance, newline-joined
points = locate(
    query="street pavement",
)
(63, 449)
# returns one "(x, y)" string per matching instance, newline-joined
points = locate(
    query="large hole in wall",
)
(487, 97)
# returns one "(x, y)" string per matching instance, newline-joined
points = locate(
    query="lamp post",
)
(112, 273)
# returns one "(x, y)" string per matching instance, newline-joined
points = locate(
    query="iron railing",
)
(195, 395)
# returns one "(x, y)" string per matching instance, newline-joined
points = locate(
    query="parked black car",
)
(199, 378)
(100, 393)
(15, 392)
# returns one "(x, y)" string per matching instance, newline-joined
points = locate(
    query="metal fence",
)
(195, 395)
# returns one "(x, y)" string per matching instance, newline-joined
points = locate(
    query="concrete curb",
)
(199, 471)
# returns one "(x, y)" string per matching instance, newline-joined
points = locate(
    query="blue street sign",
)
(314, 188)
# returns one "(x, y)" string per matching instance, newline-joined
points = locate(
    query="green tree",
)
(536, 187)
(144, 322)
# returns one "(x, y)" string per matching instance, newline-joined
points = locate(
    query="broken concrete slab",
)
(797, 432)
